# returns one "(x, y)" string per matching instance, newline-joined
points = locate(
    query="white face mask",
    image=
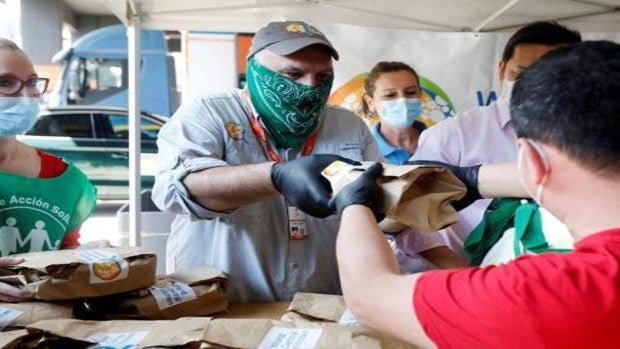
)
(538, 196)
(507, 86)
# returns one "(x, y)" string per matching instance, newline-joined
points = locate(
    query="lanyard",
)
(260, 133)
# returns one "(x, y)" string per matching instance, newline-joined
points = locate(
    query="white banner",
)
(458, 70)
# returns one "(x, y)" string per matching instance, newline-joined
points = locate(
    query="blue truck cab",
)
(95, 72)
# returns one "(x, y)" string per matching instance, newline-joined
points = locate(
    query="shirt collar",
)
(503, 110)
(384, 147)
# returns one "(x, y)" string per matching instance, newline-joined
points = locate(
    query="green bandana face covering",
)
(289, 110)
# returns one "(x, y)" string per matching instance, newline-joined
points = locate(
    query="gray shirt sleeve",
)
(190, 141)
(371, 149)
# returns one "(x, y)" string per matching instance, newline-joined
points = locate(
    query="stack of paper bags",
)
(199, 292)
(73, 274)
(182, 333)
(263, 333)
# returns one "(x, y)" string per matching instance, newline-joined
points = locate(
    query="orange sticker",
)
(107, 270)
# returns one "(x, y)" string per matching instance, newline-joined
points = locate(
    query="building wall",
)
(40, 26)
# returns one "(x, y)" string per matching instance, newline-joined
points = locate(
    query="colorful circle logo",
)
(436, 105)
(107, 269)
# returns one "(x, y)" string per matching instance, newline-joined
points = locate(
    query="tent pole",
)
(494, 15)
(135, 202)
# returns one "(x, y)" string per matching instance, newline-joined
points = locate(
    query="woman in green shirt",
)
(43, 200)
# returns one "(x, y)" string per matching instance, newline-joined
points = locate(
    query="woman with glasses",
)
(43, 200)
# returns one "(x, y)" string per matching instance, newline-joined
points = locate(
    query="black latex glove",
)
(467, 175)
(301, 182)
(362, 191)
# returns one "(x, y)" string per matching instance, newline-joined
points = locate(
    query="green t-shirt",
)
(37, 213)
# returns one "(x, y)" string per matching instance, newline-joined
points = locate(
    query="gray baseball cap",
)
(284, 38)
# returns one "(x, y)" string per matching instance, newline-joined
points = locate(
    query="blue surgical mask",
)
(17, 115)
(401, 112)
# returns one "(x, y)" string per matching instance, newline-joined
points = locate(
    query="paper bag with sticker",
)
(72, 274)
(416, 196)
(263, 333)
(316, 307)
(199, 292)
(182, 333)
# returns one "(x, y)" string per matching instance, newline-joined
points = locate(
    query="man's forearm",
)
(373, 289)
(362, 248)
(500, 181)
(230, 187)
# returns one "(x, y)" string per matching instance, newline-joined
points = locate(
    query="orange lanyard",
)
(260, 133)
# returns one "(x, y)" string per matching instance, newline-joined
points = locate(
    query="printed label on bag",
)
(284, 338)
(7, 316)
(121, 340)
(105, 266)
(348, 318)
(170, 293)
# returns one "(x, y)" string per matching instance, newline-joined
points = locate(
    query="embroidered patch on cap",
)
(296, 28)
(235, 131)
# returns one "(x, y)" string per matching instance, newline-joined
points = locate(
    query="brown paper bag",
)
(318, 307)
(71, 274)
(259, 333)
(199, 292)
(417, 196)
(315, 307)
(180, 333)
(17, 315)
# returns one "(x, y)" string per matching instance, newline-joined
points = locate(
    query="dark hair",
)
(376, 71)
(543, 33)
(570, 100)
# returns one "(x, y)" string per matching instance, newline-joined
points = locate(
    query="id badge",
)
(297, 224)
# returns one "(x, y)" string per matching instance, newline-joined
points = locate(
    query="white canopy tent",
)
(249, 15)
(426, 15)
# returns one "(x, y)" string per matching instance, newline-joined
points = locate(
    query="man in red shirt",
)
(565, 109)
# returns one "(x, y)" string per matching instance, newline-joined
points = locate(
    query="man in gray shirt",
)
(223, 167)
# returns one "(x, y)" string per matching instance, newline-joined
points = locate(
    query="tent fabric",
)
(424, 15)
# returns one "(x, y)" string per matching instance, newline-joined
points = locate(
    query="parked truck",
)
(95, 72)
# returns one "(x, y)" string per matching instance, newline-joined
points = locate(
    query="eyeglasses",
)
(12, 85)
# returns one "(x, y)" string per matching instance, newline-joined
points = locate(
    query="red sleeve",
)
(545, 301)
(52, 166)
(72, 238)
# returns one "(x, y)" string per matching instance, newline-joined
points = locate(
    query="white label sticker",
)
(105, 266)
(285, 338)
(348, 318)
(7, 316)
(121, 340)
(171, 294)
(337, 170)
